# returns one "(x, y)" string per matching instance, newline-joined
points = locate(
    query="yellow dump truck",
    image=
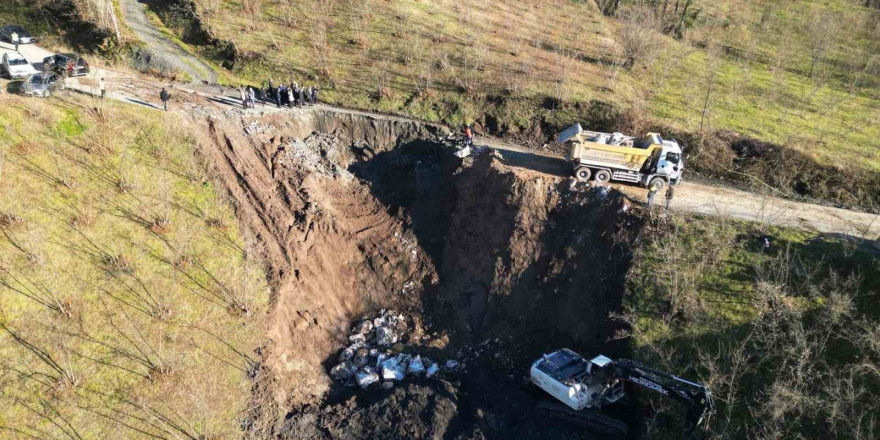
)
(649, 161)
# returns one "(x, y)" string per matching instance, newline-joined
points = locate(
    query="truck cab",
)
(670, 163)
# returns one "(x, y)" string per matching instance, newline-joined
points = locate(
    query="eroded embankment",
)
(494, 267)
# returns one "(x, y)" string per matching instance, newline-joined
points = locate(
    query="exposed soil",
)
(494, 265)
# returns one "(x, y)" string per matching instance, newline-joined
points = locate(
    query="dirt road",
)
(32, 52)
(689, 196)
(717, 201)
(175, 56)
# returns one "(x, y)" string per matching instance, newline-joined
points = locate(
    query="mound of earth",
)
(494, 265)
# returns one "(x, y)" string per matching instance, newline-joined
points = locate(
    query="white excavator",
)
(585, 386)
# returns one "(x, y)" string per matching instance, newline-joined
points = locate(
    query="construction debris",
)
(366, 377)
(376, 354)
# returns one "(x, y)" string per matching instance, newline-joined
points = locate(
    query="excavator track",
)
(590, 419)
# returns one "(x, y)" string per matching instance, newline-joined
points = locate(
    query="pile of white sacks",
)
(375, 356)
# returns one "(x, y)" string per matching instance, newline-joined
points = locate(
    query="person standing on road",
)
(102, 86)
(669, 194)
(315, 95)
(302, 97)
(252, 95)
(242, 96)
(291, 97)
(652, 192)
(15, 40)
(278, 93)
(164, 96)
(468, 136)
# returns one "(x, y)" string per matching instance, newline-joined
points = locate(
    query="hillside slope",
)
(129, 307)
(524, 66)
(716, 76)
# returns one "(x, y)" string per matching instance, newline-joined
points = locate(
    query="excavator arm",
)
(697, 398)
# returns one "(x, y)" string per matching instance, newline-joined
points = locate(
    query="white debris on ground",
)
(256, 127)
(461, 152)
(375, 354)
(324, 153)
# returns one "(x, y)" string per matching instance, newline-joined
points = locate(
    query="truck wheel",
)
(657, 183)
(582, 174)
(603, 176)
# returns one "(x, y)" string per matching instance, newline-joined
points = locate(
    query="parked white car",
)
(15, 65)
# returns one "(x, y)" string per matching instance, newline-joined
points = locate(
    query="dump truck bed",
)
(611, 156)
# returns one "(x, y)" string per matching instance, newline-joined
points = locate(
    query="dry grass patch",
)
(122, 312)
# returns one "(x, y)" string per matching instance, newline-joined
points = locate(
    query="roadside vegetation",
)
(129, 307)
(802, 75)
(786, 337)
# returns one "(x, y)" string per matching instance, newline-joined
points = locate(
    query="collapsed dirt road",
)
(690, 197)
(718, 201)
(490, 265)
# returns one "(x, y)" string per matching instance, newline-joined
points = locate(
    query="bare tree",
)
(822, 31)
(639, 36)
(471, 63)
(288, 10)
(713, 60)
(608, 7)
(425, 65)
(563, 63)
(321, 11)
(253, 9)
(360, 18)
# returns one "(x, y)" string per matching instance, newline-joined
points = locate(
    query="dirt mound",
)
(494, 266)
(423, 410)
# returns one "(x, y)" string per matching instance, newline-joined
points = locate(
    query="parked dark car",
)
(67, 64)
(24, 37)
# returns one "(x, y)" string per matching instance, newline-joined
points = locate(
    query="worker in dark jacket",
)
(280, 95)
(302, 96)
(164, 96)
(669, 195)
(315, 95)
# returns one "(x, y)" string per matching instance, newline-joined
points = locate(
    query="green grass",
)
(224, 77)
(698, 292)
(824, 116)
(126, 311)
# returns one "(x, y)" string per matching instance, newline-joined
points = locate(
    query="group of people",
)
(283, 95)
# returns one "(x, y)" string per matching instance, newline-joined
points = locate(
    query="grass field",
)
(785, 337)
(129, 307)
(458, 61)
